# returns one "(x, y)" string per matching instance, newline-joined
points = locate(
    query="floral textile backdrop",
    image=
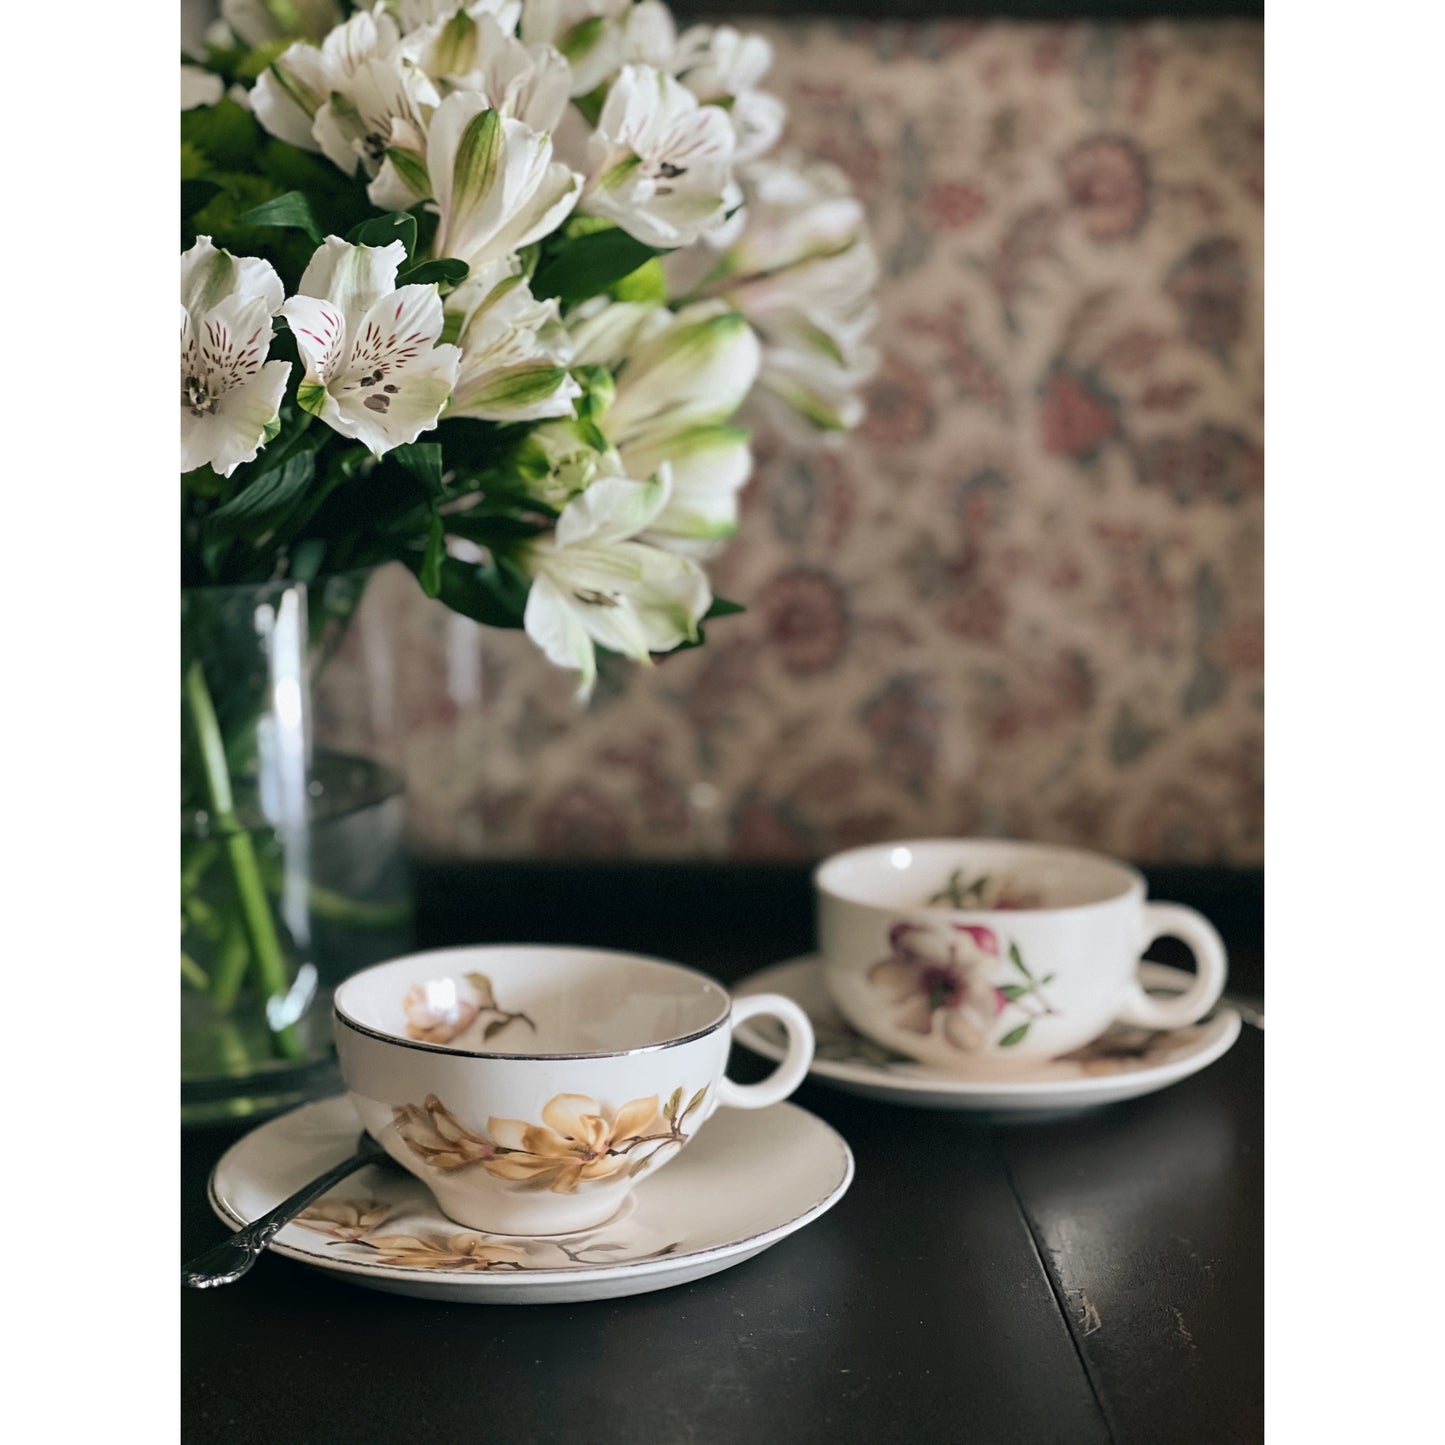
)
(1026, 598)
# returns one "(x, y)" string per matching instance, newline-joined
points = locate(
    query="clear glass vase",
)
(293, 870)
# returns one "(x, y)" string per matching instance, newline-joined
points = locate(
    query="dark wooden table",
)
(1098, 1278)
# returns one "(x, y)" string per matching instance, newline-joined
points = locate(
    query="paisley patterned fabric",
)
(1026, 598)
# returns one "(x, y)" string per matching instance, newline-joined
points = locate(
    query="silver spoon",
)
(226, 1262)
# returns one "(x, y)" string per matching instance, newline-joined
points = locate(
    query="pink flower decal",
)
(946, 977)
(931, 975)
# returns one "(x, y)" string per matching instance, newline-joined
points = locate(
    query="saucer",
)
(749, 1179)
(1122, 1064)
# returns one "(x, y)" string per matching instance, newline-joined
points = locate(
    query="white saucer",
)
(749, 1179)
(1123, 1064)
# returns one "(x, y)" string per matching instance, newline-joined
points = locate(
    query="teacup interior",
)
(975, 875)
(532, 1000)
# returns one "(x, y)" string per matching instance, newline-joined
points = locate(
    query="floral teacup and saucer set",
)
(547, 1105)
(527, 1093)
(998, 976)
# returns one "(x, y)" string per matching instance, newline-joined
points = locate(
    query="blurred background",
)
(1025, 598)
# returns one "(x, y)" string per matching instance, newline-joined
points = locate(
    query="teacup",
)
(531, 1087)
(976, 955)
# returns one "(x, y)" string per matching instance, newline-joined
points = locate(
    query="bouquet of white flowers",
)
(479, 285)
(475, 285)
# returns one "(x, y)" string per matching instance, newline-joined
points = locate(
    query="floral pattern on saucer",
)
(1120, 1050)
(940, 978)
(575, 1144)
(352, 1223)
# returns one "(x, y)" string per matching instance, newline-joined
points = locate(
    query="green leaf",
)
(669, 1110)
(263, 55)
(448, 273)
(266, 499)
(1014, 991)
(1014, 1036)
(587, 265)
(291, 212)
(692, 1103)
(195, 195)
(486, 594)
(422, 460)
(429, 574)
(227, 135)
(306, 560)
(1016, 958)
(581, 38)
(647, 284)
(383, 230)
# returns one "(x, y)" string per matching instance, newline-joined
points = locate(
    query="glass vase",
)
(293, 870)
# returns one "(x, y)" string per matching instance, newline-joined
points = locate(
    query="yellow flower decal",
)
(577, 1144)
(436, 1134)
(344, 1219)
(467, 1252)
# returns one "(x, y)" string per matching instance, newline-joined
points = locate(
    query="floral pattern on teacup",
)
(986, 891)
(576, 1143)
(941, 980)
(442, 1009)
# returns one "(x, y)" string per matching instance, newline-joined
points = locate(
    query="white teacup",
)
(529, 1087)
(974, 955)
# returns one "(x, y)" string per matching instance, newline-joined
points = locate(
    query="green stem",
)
(193, 973)
(245, 869)
(232, 956)
(336, 908)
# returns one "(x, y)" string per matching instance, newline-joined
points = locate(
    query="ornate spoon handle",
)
(231, 1258)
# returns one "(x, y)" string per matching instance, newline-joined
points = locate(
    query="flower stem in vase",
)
(265, 945)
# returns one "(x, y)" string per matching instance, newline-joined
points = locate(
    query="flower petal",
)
(634, 1118)
(353, 277)
(571, 1115)
(556, 627)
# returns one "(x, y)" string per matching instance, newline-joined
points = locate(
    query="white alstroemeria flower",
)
(594, 583)
(558, 460)
(354, 99)
(587, 32)
(373, 370)
(803, 273)
(290, 92)
(384, 105)
(718, 61)
(679, 378)
(515, 350)
(721, 65)
(795, 211)
(494, 181)
(471, 51)
(259, 23)
(199, 87)
(661, 163)
(230, 393)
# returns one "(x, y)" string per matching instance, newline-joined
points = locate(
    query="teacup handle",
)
(794, 1068)
(1173, 920)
